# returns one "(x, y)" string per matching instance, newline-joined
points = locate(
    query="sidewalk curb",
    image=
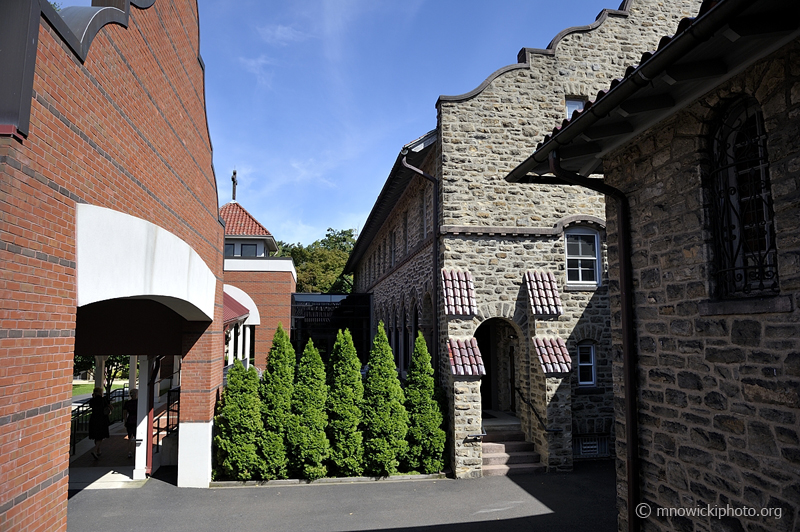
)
(334, 480)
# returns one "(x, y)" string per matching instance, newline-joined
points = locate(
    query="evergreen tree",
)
(425, 435)
(276, 400)
(238, 427)
(385, 417)
(308, 444)
(345, 398)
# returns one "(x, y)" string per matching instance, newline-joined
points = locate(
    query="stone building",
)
(110, 239)
(508, 284)
(703, 163)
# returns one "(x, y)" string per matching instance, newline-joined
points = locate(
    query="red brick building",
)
(110, 238)
(262, 283)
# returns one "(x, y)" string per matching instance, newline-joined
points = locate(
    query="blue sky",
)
(311, 100)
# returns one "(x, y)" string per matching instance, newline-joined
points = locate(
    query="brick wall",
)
(718, 388)
(125, 130)
(272, 294)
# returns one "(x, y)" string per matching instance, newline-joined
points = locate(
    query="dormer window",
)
(249, 250)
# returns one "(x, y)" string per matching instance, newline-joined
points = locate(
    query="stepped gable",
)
(553, 355)
(465, 357)
(543, 293)
(459, 293)
(239, 222)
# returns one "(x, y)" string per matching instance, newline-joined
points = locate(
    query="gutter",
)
(435, 258)
(632, 464)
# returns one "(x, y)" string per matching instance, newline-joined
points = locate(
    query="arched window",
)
(583, 256)
(587, 364)
(745, 258)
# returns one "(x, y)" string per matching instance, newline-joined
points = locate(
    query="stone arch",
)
(501, 343)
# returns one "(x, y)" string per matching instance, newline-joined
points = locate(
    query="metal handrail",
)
(168, 420)
(535, 413)
(79, 426)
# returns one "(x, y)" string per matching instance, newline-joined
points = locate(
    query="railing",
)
(79, 428)
(166, 422)
(535, 413)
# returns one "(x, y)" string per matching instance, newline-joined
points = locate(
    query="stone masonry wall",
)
(718, 388)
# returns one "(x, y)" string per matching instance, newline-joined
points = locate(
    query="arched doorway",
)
(498, 341)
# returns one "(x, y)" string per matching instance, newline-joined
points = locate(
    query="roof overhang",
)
(397, 182)
(704, 53)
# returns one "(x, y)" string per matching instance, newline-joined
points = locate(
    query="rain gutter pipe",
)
(628, 329)
(435, 258)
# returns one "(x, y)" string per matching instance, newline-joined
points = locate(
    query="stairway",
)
(505, 451)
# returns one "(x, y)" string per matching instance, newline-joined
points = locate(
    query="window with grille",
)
(745, 256)
(582, 257)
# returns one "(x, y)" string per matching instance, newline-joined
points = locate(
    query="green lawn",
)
(80, 389)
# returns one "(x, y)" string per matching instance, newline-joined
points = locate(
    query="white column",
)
(132, 372)
(230, 348)
(194, 454)
(248, 332)
(143, 435)
(240, 341)
(99, 371)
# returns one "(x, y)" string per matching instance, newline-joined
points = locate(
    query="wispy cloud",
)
(279, 35)
(259, 68)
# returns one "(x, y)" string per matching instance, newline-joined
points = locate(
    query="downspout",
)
(435, 261)
(628, 326)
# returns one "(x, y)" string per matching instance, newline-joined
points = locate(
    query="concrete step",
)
(495, 435)
(510, 458)
(507, 447)
(512, 469)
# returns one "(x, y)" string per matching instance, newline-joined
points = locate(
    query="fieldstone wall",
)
(465, 421)
(718, 380)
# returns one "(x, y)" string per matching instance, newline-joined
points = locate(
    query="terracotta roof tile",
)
(459, 293)
(232, 310)
(553, 355)
(240, 222)
(543, 293)
(465, 357)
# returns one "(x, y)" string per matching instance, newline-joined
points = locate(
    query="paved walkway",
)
(577, 501)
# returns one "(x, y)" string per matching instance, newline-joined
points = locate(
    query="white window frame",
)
(593, 353)
(583, 231)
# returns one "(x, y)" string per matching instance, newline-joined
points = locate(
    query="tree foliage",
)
(425, 437)
(276, 399)
(238, 427)
(308, 444)
(319, 265)
(345, 399)
(385, 417)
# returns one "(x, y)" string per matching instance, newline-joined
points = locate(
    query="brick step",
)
(510, 458)
(507, 447)
(503, 435)
(513, 469)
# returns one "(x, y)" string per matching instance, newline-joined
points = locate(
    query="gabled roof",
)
(239, 222)
(397, 182)
(232, 310)
(726, 37)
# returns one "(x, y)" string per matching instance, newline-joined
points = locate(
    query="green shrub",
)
(345, 397)
(385, 417)
(276, 400)
(308, 444)
(425, 435)
(238, 427)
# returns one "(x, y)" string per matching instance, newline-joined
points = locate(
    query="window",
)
(392, 247)
(405, 233)
(587, 373)
(248, 250)
(745, 256)
(574, 104)
(229, 250)
(582, 257)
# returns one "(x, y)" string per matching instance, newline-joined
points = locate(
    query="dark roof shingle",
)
(543, 293)
(465, 357)
(458, 292)
(553, 355)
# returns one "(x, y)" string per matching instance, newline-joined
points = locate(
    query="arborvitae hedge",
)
(308, 444)
(276, 400)
(385, 417)
(345, 397)
(425, 435)
(239, 430)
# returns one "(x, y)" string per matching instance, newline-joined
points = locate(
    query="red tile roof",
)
(465, 357)
(543, 293)
(553, 355)
(459, 293)
(232, 310)
(240, 222)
